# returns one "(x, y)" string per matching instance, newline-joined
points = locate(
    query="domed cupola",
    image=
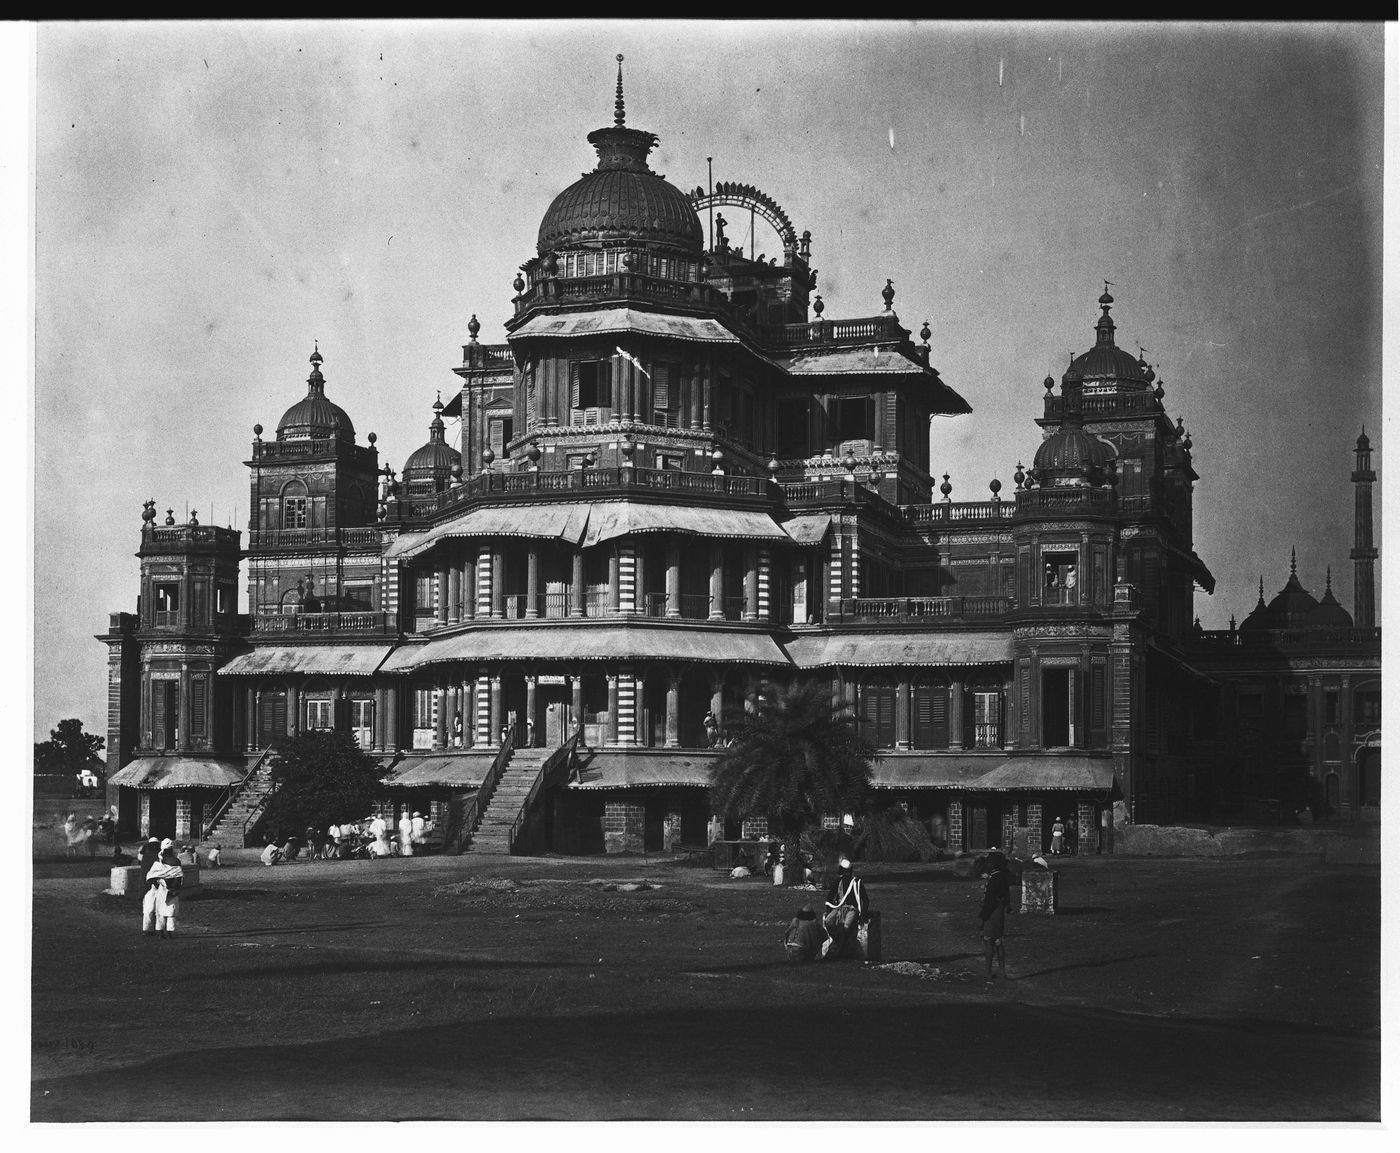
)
(1329, 613)
(1106, 361)
(1258, 617)
(314, 417)
(1069, 455)
(429, 469)
(1293, 605)
(621, 199)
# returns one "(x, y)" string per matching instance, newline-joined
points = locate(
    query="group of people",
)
(837, 932)
(1064, 837)
(350, 839)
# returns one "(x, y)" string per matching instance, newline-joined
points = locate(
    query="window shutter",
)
(573, 385)
(939, 701)
(198, 692)
(158, 720)
(661, 387)
(498, 439)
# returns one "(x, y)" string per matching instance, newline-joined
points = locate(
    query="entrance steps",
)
(508, 801)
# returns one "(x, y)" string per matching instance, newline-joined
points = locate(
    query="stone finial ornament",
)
(1019, 476)
(819, 306)
(888, 293)
(169, 517)
(925, 333)
(946, 488)
(473, 327)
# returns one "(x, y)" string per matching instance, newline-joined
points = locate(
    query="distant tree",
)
(69, 750)
(796, 757)
(321, 777)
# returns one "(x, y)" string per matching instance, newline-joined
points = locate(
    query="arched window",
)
(294, 506)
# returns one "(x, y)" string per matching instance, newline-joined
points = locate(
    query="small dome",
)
(1291, 606)
(434, 462)
(1329, 613)
(1106, 361)
(314, 417)
(1072, 450)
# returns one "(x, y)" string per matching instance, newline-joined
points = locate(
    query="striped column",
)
(627, 591)
(483, 581)
(483, 711)
(389, 583)
(627, 708)
(765, 573)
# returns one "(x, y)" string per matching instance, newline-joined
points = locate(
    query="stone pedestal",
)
(128, 881)
(1040, 890)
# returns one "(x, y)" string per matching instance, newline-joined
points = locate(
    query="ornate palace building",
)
(678, 482)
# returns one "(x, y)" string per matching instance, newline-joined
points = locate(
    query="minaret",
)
(1364, 552)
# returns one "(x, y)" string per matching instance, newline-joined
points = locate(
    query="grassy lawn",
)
(515, 988)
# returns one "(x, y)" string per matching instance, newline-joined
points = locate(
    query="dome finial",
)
(620, 114)
(1293, 562)
(316, 352)
(1329, 578)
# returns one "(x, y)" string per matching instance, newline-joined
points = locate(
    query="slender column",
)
(440, 723)
(901, 715)
(532, 581)
(498, 583)
(531, 693)
(750, 582)
(673, 579)
(673, 709)
(716, 581)
(483, 581)
(639, 577)
(497, 719)
(577, 594)
(717, 698)
(576, 702)
(612, 709)
(955, 715)
(338, 721)
(378, 739)
(442, 592)
(449, 715)
(250, 714)
(705, 393)
(293, 711)
(614, 579)
(391, 718)
(468, 579)
(184, 743)
(454, 593)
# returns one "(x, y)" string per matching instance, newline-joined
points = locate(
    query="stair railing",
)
(255, 814)
(231, 793)
(549, 767)
(476, 808)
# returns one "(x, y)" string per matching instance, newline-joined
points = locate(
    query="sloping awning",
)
(861, 650)
(329, 660)
(809, 528)
(625, 320)
(178, 773)
(933, 770)
(1072, 772)
(645, 770)
(564, 522)
(582, 641)
(611, 519)
(448, 771)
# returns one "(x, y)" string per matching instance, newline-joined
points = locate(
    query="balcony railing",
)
(1300, 638)
(263, 538)
(834, 490)
(343, 622)
(1113, 405)
(899, 610)
(863, 330)
(948, 512)
(1067, 500)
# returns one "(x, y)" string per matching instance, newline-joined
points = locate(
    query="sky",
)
(212, 198)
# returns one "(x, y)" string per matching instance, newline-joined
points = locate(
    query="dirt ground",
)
(525, 988)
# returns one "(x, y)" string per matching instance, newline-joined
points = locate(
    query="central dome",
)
(1106, 361)
(621, 199)
(621, 204)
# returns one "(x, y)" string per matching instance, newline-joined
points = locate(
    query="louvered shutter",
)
(198, 709)
(661, 387)
(939, 701)
(573, 385)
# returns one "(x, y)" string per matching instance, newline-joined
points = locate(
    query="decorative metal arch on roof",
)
(754, 199)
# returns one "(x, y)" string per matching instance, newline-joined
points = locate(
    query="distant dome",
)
(314, 417)
(1106, 361)
(1071, 449)
(1293, 605)
(433, 462)
(1329, 613)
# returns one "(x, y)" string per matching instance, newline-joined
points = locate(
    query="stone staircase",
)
(228, 830)
(493, 833)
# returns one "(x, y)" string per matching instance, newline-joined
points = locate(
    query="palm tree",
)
(795, 757)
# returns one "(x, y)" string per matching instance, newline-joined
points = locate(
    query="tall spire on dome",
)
(1105, 325)
(316, 382)
(1293, 562)
(619, 109)
(1363, 550)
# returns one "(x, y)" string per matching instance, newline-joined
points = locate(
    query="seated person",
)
(804, 938)
(271, 854)
(846, 906)
(215, 856)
